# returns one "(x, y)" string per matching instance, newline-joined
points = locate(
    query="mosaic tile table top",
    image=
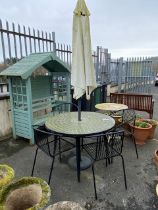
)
(111, 106)
(91, 123)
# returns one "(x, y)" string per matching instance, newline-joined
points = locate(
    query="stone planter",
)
(157, 189)
(141, 134)
(65, 205)
(6, 174)
(27, 193)
(156, 157)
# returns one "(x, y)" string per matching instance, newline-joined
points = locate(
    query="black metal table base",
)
(85, 162)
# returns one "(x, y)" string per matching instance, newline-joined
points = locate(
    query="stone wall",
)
(5, 117)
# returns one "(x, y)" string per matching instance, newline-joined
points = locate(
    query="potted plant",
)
(6, 174)
(29, 193)
(154, 123)
(140, 131)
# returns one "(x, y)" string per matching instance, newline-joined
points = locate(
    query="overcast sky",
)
(125, 27)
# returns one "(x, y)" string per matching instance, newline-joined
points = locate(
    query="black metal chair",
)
(51, 144)
(128, 117)
(106, 146)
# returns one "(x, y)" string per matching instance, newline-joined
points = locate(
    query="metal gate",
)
(138, 75)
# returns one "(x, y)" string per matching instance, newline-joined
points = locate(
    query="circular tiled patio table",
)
(113, 107)
(91, 123)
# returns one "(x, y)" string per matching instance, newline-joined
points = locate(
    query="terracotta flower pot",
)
(29, 193)
(141, 134)
(152, 132)
(154, 124)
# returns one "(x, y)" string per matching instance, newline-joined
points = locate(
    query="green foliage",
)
(22, 182)
(150, 121)
(9, 174)
(141, 124)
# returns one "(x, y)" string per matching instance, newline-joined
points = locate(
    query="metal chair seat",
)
(104, 152)
(51, 144)
(128, 117)
(107, 146)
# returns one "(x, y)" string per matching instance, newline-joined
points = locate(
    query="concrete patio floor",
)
(142, 175)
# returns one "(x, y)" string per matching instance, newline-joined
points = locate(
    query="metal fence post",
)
(120, 69)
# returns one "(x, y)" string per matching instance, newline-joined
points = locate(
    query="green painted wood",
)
(23, 134)
(21, 123)
(68, 89)
(97, 95)
(23, 130)
(40, 120)
(29, 95)
(22, 112)
(26, 66)
(21, 120)
(25, 125)
(41, 86)
(12, 107)
(32, 95)
(44, 106)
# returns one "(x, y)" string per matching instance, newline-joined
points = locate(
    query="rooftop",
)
(141, 175)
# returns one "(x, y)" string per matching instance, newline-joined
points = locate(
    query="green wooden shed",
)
(33, 96)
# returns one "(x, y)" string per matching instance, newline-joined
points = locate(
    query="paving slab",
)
(142, 175)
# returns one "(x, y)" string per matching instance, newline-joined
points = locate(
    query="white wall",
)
(5, 119)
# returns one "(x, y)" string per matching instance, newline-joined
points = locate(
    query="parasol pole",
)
(79, 109)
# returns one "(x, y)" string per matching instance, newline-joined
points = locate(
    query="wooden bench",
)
(140, 102)
(43, 108)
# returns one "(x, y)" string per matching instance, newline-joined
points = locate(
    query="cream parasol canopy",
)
(83, 76)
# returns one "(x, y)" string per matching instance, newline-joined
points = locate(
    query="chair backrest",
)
(45, 140)
(109, 145)
(128, 116)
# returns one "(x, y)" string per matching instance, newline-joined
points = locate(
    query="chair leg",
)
(123, 165)
(51, 169)
(108, 160)
(94, 183)
(34, 162)
(82, 143)
(134, 141)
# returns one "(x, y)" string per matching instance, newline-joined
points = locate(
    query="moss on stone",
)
(22, 182)
(7, 174)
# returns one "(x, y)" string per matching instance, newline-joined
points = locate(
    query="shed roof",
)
(25, 67)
